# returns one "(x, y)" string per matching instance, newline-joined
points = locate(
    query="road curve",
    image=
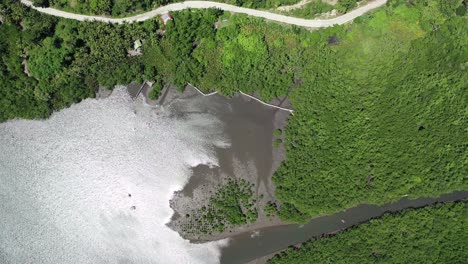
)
(312, 23)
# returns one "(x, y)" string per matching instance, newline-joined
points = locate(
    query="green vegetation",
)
(382, 116)
(277, 142)
(380, 105)
(344, 6)
(232, 205)
(259, 3)
(434, 234)
(278, 132)
(126, 7)
(316, 7)
(68, 60)
(156, 89)
(311, 9)
(271, 209)
(103, 7)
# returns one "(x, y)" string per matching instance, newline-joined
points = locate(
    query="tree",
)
(41, 3)
(345, 5)
(100, 6)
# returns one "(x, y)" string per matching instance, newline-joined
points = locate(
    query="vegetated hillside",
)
(315, 7)
(381, 114)
(124, 7)
(435, 234)
(127, 7)
(380, 104)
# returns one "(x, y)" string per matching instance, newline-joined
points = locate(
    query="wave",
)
(92, 183)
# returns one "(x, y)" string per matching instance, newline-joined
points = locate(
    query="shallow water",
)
(249, 127)
(92, 183)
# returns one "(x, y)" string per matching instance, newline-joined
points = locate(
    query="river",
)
(273, 239)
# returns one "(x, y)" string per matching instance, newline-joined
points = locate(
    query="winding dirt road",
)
(312, 23)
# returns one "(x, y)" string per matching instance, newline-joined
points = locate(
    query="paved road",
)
(312, 23)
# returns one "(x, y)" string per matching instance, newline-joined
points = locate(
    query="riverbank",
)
(273, 240)
(433, 234)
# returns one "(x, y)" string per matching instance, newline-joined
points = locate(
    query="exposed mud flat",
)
(248, 126)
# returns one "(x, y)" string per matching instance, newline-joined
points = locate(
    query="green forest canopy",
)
(435, 234)
(380, 105)
(381, 115)
(125, 7)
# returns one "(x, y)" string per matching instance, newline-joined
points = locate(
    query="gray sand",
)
(249, 126)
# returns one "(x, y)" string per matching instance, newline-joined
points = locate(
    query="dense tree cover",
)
(311, 9)
(125, 7)
(171, 56)
(18, 92)
(381, 114)
(156, 89)
(249, 55)
(231, 205)
(435, 234)
(103, 7)
(380, 105)
(346, 5)
(67, 60)
(259, 3)
(271, 209)
(316, 7)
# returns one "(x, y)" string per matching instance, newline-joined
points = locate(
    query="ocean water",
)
(92, 183)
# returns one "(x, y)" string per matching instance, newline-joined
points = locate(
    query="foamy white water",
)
(65, 184)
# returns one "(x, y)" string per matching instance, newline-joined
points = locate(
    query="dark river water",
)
(244, 248)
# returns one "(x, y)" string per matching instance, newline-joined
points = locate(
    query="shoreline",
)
(279, 223)
(244, 94)
(249, 125)
(266, 225)
(391, 208)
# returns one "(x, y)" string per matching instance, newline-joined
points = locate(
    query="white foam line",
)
(244, 94)
(199, 91)
(267, 104)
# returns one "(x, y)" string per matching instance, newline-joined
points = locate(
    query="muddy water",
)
(244, 248)
(249, 126)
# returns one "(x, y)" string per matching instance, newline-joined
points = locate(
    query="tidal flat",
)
(93, 183)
